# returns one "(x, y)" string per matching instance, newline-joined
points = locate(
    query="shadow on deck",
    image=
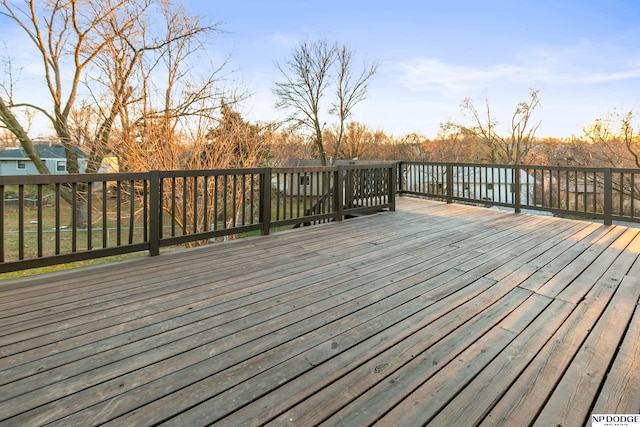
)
(434, 314)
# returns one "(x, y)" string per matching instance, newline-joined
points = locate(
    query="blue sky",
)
(583, 56)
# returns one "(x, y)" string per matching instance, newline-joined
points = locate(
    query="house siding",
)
(50, 155)
(493, 184)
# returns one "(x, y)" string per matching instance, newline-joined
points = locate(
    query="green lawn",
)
(66, 236)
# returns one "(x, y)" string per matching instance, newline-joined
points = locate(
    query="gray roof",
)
(44, 151)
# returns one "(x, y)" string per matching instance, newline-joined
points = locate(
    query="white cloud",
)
(430, 74)
(585, 62)
(582, 64)
(611, 76)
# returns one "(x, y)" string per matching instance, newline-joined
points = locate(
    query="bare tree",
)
(106, 48)
(358, 141)
(315, 69)
(66, 37)
(514, 147)
(97, 57)
(612, 141)
(170, 104)
(286, 145)
(603, 146)
(630, 136)
(455, 144)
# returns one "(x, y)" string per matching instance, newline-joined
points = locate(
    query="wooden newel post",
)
(154, 213)
(517, 190)
(265, 201)
(608, 196)
(393, 176)
(398, 173)
(449, 181)
(338, 188)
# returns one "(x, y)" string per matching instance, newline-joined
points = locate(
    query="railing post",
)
(265, 201)
(608, 196)
(517, 193)
(338, 191)
(154, 213)
(397, 172)
(449, 182)
(348, 187)
(392, 185)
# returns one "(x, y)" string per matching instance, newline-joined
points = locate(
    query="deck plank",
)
(427, 362)
(621, 391)
(379, 354)
(435, 270)
(529, 394)
(435, 313)
(469, 407)
(571, 401)
(452, 380)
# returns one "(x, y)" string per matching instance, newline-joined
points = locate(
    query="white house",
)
(304, 183)
(495, 184)
(488, 183)
(14, 161)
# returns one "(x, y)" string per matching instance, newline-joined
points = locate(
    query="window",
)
(490, 187)
(22, 164)
(61, 166)
(304, 179)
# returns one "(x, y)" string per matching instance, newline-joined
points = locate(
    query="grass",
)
(30, 226)
(65, 236)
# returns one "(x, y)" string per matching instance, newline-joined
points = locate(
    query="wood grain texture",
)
(435, 314)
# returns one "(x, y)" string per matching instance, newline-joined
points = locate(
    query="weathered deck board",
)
(620, 393)
(434, 314)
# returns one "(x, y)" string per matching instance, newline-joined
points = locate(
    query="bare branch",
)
(507, 150)
(312, 70)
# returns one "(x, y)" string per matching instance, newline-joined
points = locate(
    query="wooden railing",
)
(605, 194)
(52, 219)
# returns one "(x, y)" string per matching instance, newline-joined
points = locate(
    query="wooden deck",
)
(436, 314)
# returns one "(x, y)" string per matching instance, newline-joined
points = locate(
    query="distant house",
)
(14, 161)
(580, 186)
(490, 183)
(578, 192)
(300, 183)
(494, 184)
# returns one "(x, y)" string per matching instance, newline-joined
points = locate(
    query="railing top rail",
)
(526, 166)
(459, 164)
(210, 172)
(66, 178)
(368, 165)
(625, 170)
(565, 168)
(295, 169)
